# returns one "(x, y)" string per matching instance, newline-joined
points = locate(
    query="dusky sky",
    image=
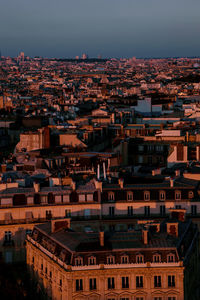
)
(112, 28)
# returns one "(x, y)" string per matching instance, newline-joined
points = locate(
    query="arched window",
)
(19, 199)
(111, 196)
(78, 261)
(170, 258)
(156, 258)
(51, 198)
(129, 196)
(139, 259)
(162, 195)
(110, 259)
(177, 195)
(37, 199)
(190, 194)
(92, 260)
(124, 259)
(146, 195)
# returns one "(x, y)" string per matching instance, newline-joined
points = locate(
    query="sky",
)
(111, 28)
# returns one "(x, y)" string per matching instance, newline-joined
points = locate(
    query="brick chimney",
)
(121, 183)
(59, 224)
(36, 186)
(145, 237)
(101, 238)
(172, 228)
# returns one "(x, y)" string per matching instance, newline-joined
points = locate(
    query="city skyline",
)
(120, 29)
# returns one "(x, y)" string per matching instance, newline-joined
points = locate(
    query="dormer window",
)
(170, 258)
(92, 260)
(124, 259)
(139, 259)
(78, 261)
(129, 196)
(190, 194)
(110, 259)
(146, 196)
(111, 196)
(177, 195)
(162, 195)
(156, 258)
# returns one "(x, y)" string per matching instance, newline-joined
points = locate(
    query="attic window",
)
(162, 195)
(92, 260)
(156, 258)
(190, 194)
(146, 195)
(129, 196)
(111, 196)
(139, 259)
(124, 259)
(110, 259)
(177, 195)
(170, 258)
(78, 261)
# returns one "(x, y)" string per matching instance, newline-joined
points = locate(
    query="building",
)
(152, 262)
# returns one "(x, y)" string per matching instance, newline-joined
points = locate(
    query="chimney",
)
(145, 236)
(121, 183)
(73, 185)
(36, 186)
(171, 182)
(98, 185)
(172, 228)
(104, 170)
(98, 172)
(60, 224)
(101, 238)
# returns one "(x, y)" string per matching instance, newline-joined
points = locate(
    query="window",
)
(178, 206)
(177, 195)
(46, 270)
(150, 148)
(162, 210)
(171, 258)
(92, 260)
(124, 298)
(48, 215)
(190, 194)
(111, 211)
(171, 298)
(60, 282)
(162, 195)
(42, 267)
(33, 259)
(78, 261)
(93, 284)
(157, 281)
(193, 210)
(7, 236)
(67, 213)
(157, 298)
(139, 281)
(140, 148)
(171, 281)
(125, 282)
(130, 210)
(139, 298)
(156, 258)
(79, 284)
(110, 259)
(50, 274)
(111, 283)
(124, 259)
(159, 148)
(111, 196)
(129, 196)
(139, 259)
(147, 211)
(146, 195)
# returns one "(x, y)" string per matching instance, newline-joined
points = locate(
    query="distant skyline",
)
(110, 28)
